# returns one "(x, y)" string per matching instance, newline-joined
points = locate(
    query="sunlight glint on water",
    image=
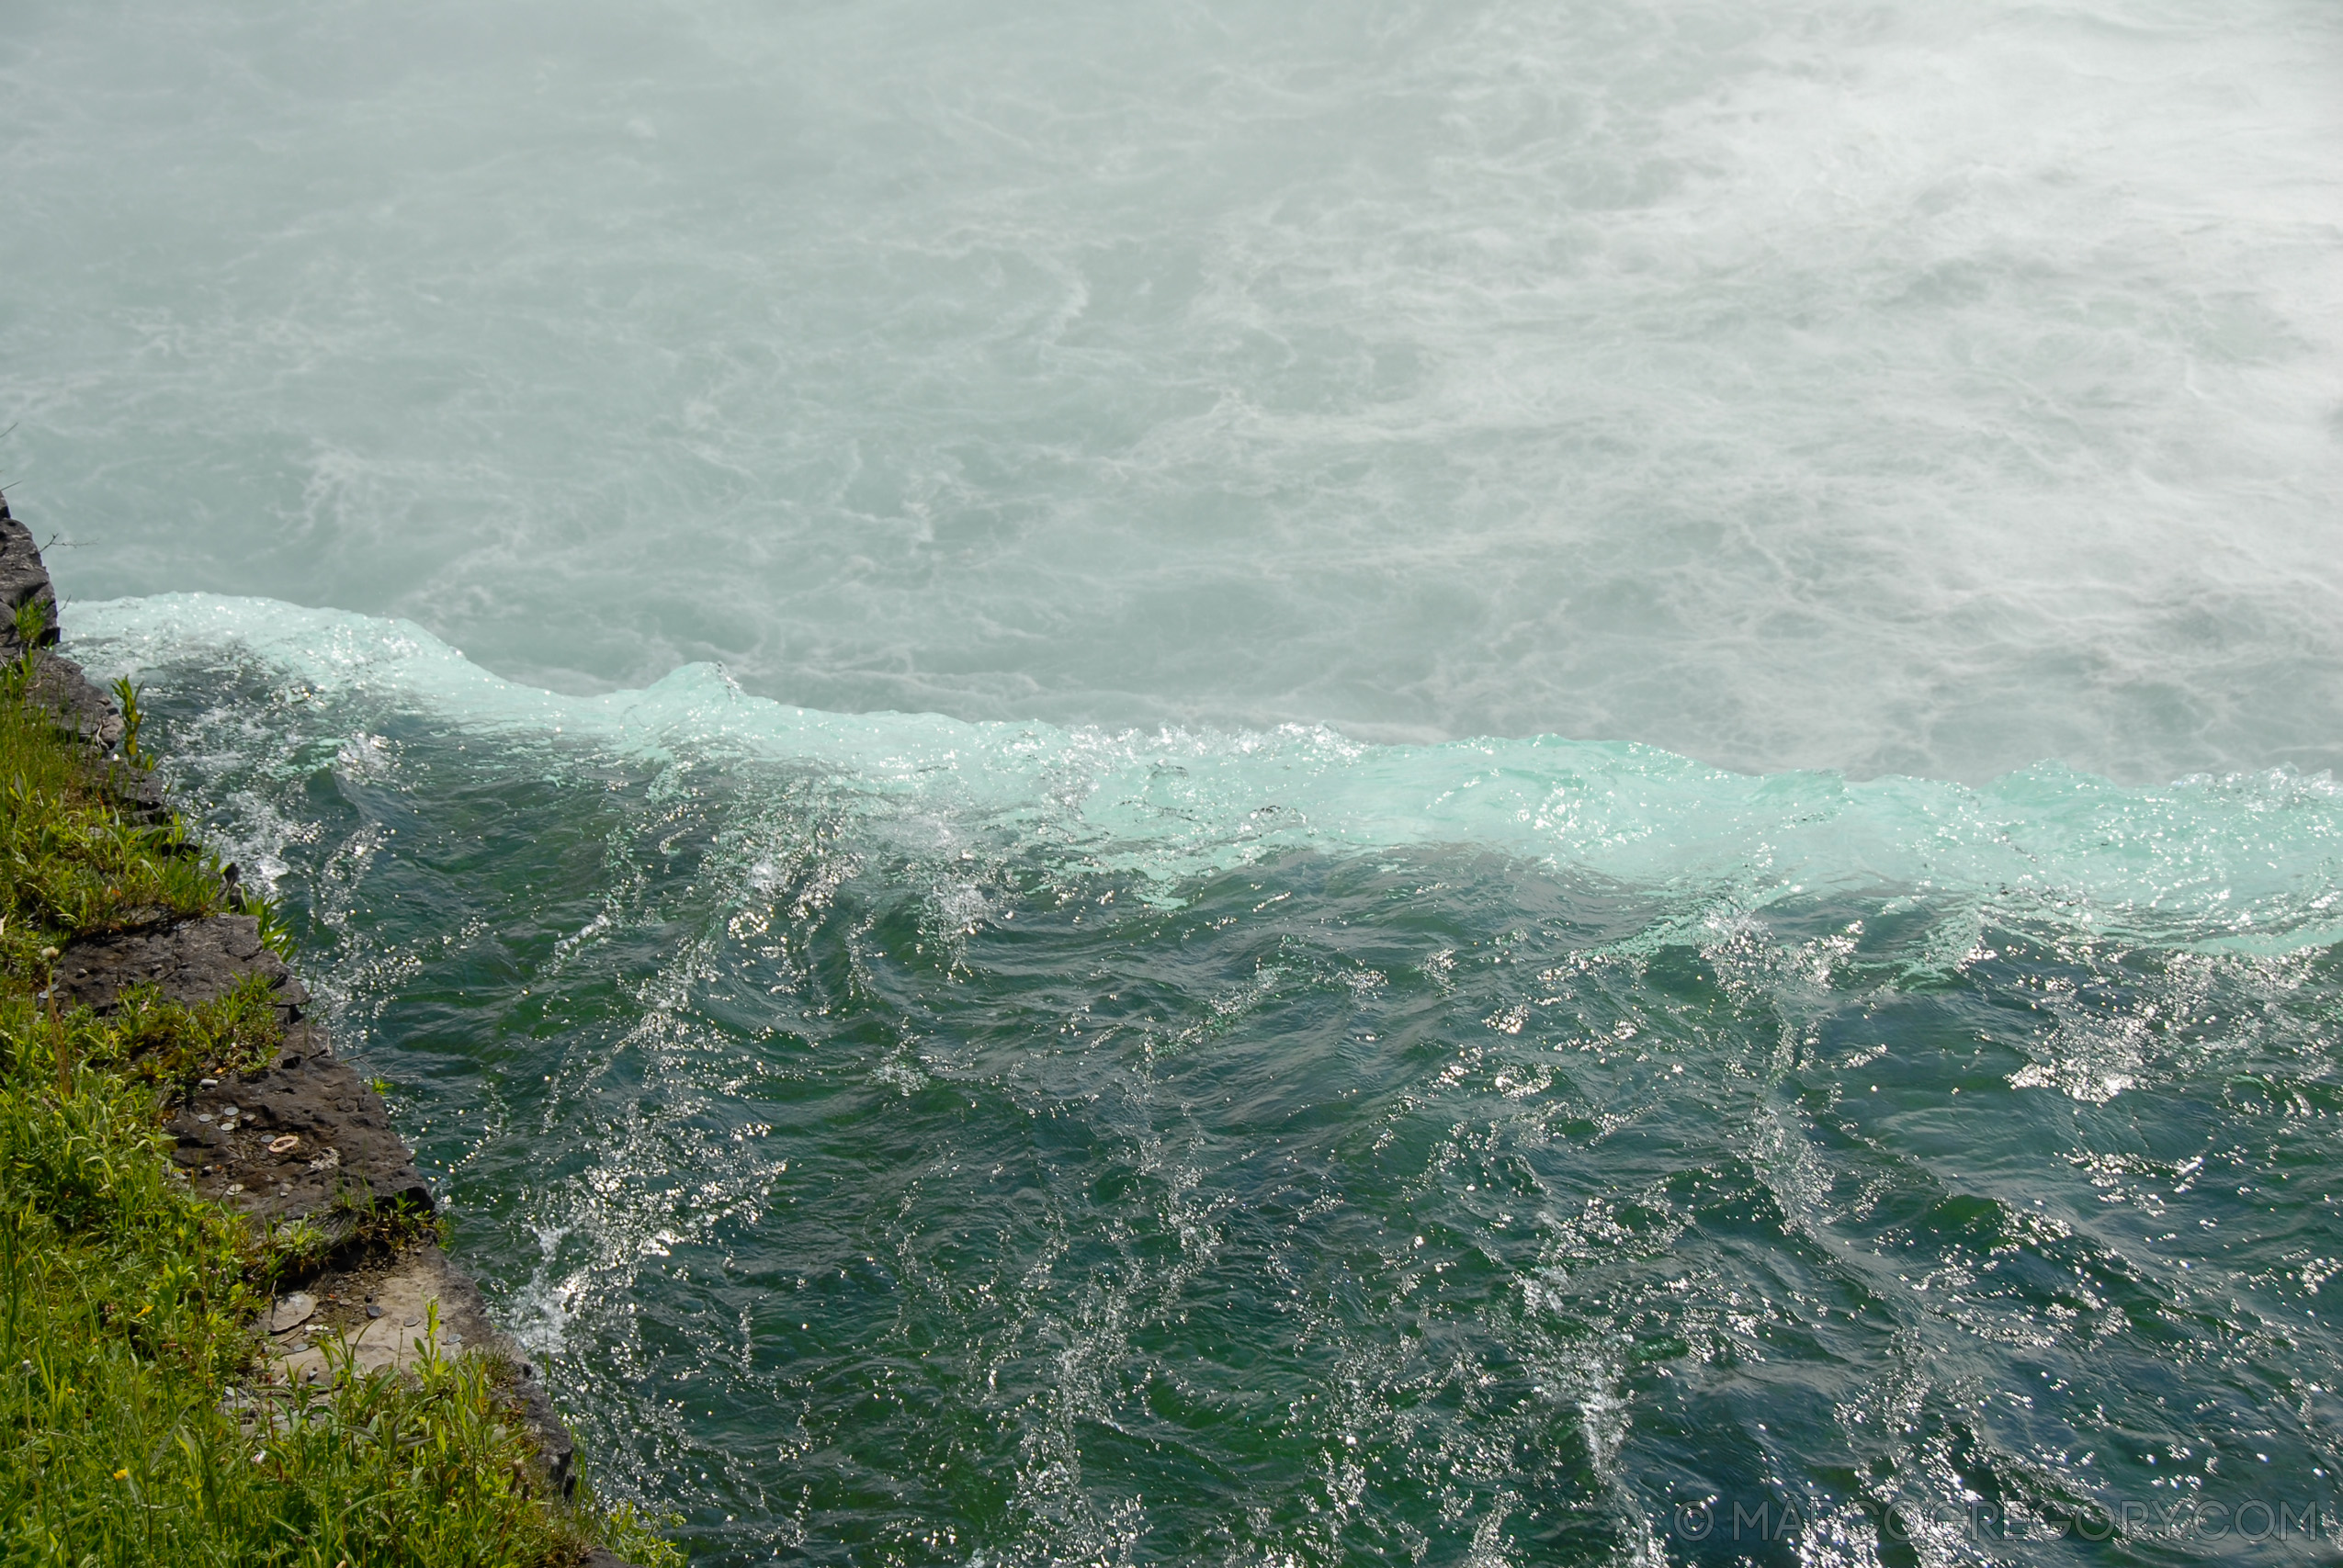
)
(1121, 1074)
(914, 1142)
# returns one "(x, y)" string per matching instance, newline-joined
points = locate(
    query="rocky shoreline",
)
(304, 1138)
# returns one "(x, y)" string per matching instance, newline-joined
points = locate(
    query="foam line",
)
(2251, 859)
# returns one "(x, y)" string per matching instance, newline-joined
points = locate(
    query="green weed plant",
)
(137, 1423)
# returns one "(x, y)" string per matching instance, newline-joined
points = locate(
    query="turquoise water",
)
(911, 1140)
(1486, 785)
(1891, 388)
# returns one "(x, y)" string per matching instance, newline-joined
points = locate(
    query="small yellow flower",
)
(121, 1475)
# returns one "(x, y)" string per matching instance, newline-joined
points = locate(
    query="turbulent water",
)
(1917, 388)
(914, 1140)
(956, 936)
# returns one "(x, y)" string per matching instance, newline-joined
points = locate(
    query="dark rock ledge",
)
(61, 685)
(300, 1138)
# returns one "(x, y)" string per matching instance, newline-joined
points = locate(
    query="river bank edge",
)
(301, 1143)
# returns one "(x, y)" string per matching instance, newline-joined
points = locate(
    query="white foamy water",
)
(1924, 388)
(2248, 860)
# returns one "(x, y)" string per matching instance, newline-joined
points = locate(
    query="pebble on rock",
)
(291, 1311)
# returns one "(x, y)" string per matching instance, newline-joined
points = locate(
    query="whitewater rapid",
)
(2254, 858)
(1923, 390)
(1481, 784)
(920, 1141)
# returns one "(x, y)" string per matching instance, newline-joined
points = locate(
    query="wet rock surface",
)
(305, 1136)
(192, 961)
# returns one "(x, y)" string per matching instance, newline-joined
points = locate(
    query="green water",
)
(923, 1189)
(1273, 784)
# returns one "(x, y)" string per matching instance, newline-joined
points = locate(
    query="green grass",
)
(70, 863)
(129, 1433)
